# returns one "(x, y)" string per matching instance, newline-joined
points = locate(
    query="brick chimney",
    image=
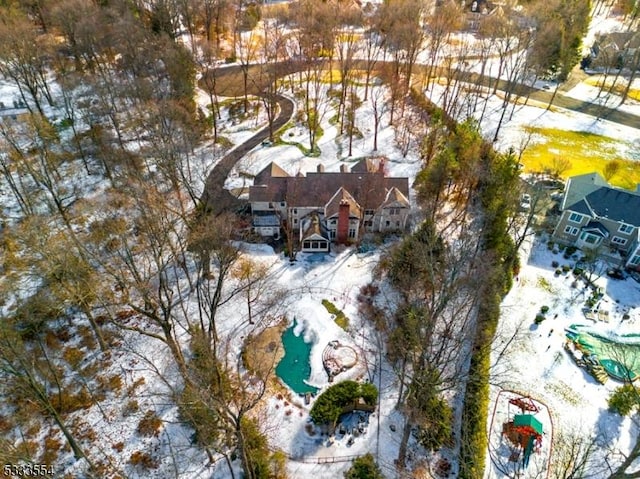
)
(320, 168)
(381, 166)
(342, 234)
(344, 169)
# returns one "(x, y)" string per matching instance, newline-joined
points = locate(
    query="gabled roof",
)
(312, 229)
(316, 189)
(270, 171)
(395, 198)
(596, 228)
(369, 165)
(333, 205)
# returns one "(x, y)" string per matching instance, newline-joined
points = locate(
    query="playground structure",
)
(520, 436)
(337, 358)
(601, 355)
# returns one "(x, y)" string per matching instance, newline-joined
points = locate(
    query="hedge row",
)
(500, 250)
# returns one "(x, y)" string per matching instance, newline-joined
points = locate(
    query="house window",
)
(306, 244)
(626, 229)
(323, 244)
(270, 206)
(332, 222)
(394, 211)
(332, 234)
(295, 211)
(635, 260)
(397, 224)
(283, 204)
(618, 240)
(295, 221)
(575, 218)
(368, 224)
(314, 244)
(589, 238)
(387, 223)
(572, 230)
(369, 212)
(352, 232)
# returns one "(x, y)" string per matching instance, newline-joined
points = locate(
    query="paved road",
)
(215, 197)
(560, 100)
(228, 80)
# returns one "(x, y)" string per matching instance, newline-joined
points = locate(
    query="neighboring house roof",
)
(618, 41)
(317, 188)
(591, 195)
(580, 186)
(615, 204)
(333, 205)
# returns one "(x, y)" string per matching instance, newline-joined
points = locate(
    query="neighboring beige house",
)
(616, 49)
(329, 207)
(598, 215)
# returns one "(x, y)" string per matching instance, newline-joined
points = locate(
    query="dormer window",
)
(626, 229)
(575, 218)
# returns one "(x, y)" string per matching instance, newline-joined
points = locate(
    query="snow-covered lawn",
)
(536, 364)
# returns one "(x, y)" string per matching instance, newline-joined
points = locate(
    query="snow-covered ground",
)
(535, 363)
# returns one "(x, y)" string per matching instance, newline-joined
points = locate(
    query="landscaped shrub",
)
(566, 268)
(577, 271)
(544, 309)
(624, 399)
(364, 467)
(550, 245)
(558, 272)
(330, 404)
(340, 318)
(539, 318)
(555, 264)
(570, 250)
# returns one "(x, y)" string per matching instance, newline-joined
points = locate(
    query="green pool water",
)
(294, 367)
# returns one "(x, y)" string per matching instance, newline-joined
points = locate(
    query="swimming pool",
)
(294, 368)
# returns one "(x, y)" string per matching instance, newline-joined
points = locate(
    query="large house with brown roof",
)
(321, 208)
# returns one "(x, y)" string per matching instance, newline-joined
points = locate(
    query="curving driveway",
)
(215, 198)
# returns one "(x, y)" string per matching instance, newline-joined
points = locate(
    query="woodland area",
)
(106, 241)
